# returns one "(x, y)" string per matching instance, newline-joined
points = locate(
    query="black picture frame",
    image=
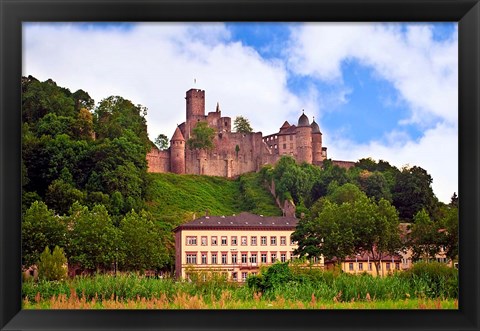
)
(14, 12)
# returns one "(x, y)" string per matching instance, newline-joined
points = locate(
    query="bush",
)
(439, 279)
(52, 266)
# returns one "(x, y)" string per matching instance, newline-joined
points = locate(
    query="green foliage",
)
(115, 116)
(425, 237)
(242, 125)
(40, 228)
(440, 280)
(255, 197)
(94, 239)
(353, 225)
(413, 192)
(52, 266)
(141, 242)
(162, 142)
(202, 137)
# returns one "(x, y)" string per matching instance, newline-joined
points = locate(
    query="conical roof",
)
(285, 125)
(315, 127)
(178, 136)
(303, 120)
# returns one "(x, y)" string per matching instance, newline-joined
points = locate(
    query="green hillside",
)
(176, 198)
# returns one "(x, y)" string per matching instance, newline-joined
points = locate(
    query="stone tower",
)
(195, 99)
(177, 153)
(316, 143)
(304, 140)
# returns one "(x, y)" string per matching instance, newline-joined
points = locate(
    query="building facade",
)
(235, 246)
(235, 153)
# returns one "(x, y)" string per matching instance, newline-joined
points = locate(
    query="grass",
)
(226, 301)
(305, 289)
(178, 197)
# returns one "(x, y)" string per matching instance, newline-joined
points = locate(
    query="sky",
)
(388, 91)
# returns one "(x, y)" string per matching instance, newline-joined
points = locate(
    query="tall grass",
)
(301, 285)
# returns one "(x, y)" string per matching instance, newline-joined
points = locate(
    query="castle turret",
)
(304, 140)
(195, 99)
(177, 152)
(316, 143)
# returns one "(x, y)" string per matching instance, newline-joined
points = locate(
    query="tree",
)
(53, 266)
(242, 125)
(142, 243)
(94, 239)
(41, 228)
(413, 192)
(425, 237)
(450, 234)
(202, 137)
(352, 227)
(162, 142)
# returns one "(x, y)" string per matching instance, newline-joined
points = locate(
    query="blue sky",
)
(386, 91)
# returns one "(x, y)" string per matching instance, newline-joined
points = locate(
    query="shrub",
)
(52, 266)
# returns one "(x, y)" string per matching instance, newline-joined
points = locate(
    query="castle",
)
(235, 153)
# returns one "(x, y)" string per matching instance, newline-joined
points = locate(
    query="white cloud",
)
(155, 64)
(424, 72)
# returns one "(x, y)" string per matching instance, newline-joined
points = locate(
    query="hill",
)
(176, 198)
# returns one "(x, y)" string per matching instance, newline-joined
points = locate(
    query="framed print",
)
(239, 165)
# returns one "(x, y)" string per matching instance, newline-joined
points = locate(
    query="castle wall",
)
(158, 161)
(224, 160)
(317, 148)
(304, 144)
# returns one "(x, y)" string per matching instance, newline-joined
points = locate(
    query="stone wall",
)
(158, 161)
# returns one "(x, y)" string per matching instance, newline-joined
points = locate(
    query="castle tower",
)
(316, 143)
(195, 100)
(304, 140)
(177, 152)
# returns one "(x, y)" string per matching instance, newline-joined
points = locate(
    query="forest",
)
(87, 197)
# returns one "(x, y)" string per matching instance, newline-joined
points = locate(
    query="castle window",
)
(291, 137)
(284, 138)
(276, 146)
(284, 146)
(226, 123)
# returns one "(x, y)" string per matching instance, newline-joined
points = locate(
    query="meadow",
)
(305, 289)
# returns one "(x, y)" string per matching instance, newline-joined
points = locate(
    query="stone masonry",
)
(302, 141)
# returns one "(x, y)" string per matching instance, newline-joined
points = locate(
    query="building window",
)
(274, 257)
(283, 257)
(214, 257)
(253, 258)
(292, 242)
(264, 257)
(273, 240)
(204, 241)
(291, 146)
(253, 241)
(234, 258)
(263, 240)
(191, 258)
(214, 240)
(350, 266)
(369, 266)
(397, 265)
(360, 266)
(283, 241)
(244, 257)
(291, 137)
(244, 276)
(234, 241)
(204, 258)
(191, 240)
(388, 265)
(284, 138)
(244, 241)
(234, 276)
(224, 241)
(284, 146)
(224, 258)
